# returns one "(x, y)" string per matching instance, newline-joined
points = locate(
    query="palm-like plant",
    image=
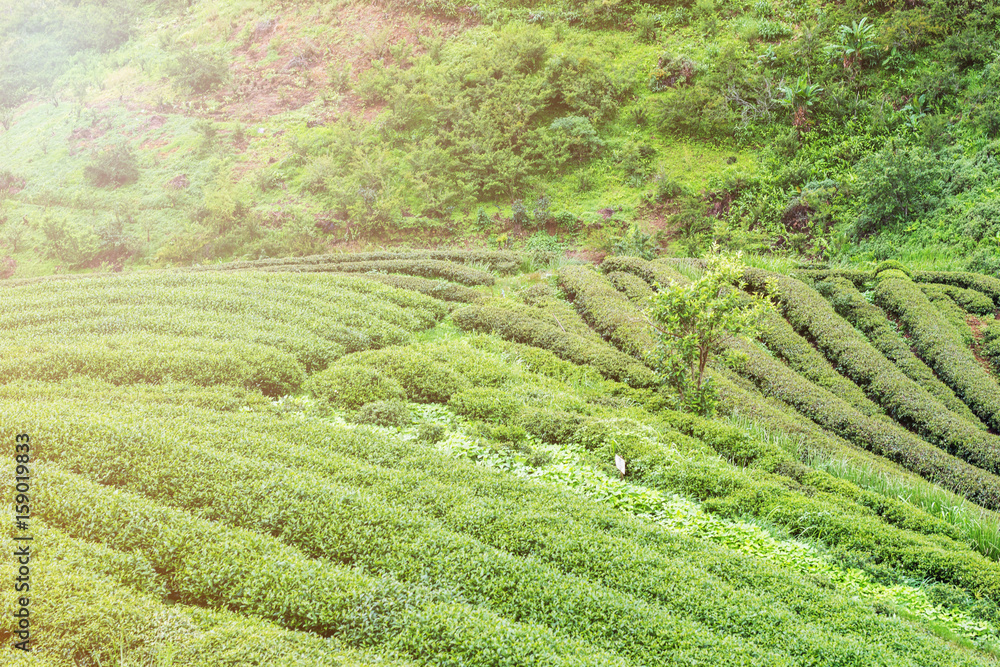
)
(856, 43)
(801, 93)
(800, 97)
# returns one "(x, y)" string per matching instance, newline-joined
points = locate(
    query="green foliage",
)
(485, 404)
(351, 385)
(635, 243)
(855, 43)
(905, 401)
(936, 342)
(800, 95)
(67, 242)
(872, 321)
(113, 167)
(896, 185)
(672, 71)
(606, 310)
(991, 345)
(575, 138)
(691, 321)
(391, 413)
(199, 71)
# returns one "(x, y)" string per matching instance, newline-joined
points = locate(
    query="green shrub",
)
(113, 167)
(423, 379)
(485, 404)
(549, 425)
(575, 138)
(635, 243)
(431, 432)
(896, 185)
(199, 71)
(392, 413)
(353, 385)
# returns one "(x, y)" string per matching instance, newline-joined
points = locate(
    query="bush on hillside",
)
(113, 167)
(351, 386)
(392, 413)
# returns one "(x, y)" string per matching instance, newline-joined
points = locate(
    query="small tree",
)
(692, 321)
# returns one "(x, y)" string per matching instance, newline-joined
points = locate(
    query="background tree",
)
(692, 321)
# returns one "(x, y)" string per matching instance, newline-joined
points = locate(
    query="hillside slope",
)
(179, 133)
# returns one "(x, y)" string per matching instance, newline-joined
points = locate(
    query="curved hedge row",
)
(297, 313)
(987, 285)
(521, 328)
(635, 288)
(623, 562)
(544, 302)
(968, 300)
(874, 324)
(502, 261)
(155, 359)
(655, 272)
(92, 320)
(204, 562)
(426, 268)
(991, 345)
(951, 311)
(607, 310)
(856, 277)
(94, 606)
(903, 399)
(878, 435)
(779, 337)
(930, 334)
(439, 289)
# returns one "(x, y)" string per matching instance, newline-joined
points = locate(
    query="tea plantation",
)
(409, 458)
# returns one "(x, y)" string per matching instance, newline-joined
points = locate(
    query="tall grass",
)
(774, 263)
(977, 526)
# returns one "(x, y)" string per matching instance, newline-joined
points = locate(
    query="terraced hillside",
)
(409, 458)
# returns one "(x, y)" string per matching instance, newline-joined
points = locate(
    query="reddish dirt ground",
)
(300, 73)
